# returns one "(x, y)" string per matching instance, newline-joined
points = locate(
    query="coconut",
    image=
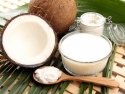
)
(28, 40)
(59, 13)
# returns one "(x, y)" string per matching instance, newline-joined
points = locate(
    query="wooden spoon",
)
(89, 79)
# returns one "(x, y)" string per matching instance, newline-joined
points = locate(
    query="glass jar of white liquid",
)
(92, 22)
(84, 53)
(87, 51)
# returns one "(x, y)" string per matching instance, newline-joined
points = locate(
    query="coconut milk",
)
(84, 54)
(92, 22)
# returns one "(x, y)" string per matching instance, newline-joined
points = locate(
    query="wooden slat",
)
(121, 80)
(6, 5)
(119, 70)
(121, 50)
(73, 89)
(119, 59)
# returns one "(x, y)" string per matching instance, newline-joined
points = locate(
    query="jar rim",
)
(87, 13)
(75, 32)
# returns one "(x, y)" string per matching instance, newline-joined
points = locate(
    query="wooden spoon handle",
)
(97, 80)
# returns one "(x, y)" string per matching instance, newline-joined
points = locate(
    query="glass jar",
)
(84, 53)
(115, 31)
(92, 22)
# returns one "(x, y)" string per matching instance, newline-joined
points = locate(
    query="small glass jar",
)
(92, 22)
(115, 31)
(77, 67)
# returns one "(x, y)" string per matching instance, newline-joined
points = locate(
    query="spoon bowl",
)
(89, 79)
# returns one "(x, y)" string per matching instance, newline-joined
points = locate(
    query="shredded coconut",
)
(48, 74)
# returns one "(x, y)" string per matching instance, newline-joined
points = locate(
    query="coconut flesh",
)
(28, 40)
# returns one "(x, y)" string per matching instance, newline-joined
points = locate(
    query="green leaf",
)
(11, 13)
(104, 90)
(64, 86)
(82, 88)
(90, 88)
(4, 68)
(55, 88)
(114, 8)
(107, 72)
(1, 26)
(10, 81)
(112, 61)
(2, 22)
(26, 82)
(46, 89)
(18, 85)
(7, 75)
(37, 88)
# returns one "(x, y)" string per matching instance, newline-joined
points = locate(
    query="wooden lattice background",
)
(73, 88)
(6, 5)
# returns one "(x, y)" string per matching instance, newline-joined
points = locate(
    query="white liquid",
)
(83, 47)
(92, 22)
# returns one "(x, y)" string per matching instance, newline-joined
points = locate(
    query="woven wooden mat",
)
(73, 88)
(6, 5)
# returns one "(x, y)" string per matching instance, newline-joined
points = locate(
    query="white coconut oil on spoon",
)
(51, 75)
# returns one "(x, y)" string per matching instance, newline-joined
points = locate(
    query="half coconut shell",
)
(28, 40)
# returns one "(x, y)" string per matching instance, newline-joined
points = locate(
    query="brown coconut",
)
(59, 13)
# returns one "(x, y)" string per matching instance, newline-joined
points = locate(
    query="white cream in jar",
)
(84, 54)
(92, 22)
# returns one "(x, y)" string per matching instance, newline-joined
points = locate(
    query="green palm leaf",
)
(8, 15)
(114, 8)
